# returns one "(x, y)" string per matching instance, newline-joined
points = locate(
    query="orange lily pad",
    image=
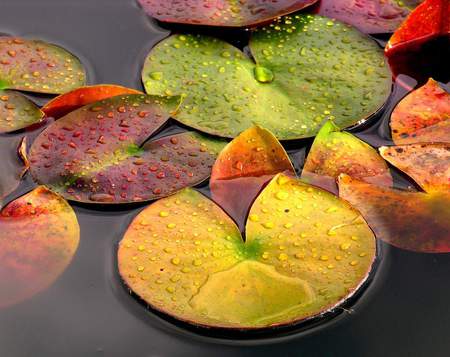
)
(427, 164)
(306, 251)
(243, 167)
(422, 116)
(38, 66)
(39, 236)
(414, 221)
(335, 152)
(68, 102)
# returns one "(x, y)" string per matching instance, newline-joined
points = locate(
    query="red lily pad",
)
(38, 66)
(224, 13)
(97, 153)
(427, 164)
(17, 112)
(39, 236)
(243, 167)
(414, 221)
(422, 116)
(68, 102)
(335, 152)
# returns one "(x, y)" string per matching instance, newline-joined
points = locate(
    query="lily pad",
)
(17, 112)
(306, 252)
(307, 68)
(38, 66)
(39, 236)
(422, 116)
(369, 16)
(68, 102)
(414, 221)
(224, 13)
(97, 153)
(243, 167)
(427, 164)
(335, 152)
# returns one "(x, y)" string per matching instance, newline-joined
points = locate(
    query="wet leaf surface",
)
(68, 102)
(39, 236)
(225, 13)
(306, 251)
(17, 112)
(427, 164)
(243, 167)
(335, 152)
(308, 68)
(422, 116)
(12, 166)
(414, 221)
(37, 66)
(97, 153)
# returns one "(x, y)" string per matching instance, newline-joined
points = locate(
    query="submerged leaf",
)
(243, 167)
(17, 111)
(306, 252)
(335, 152)
(413, 221)
(39, 236)
(224, 13)
(427, 164)
(68, 102)
(12, 166)
(37, 66)
(422, 116)
(307, 68)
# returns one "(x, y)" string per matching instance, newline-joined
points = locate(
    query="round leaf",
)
(39, 236)
(224, 13)
(414, 221)
(307, 68)
(427, 164)
(185, 257)
(335, 152)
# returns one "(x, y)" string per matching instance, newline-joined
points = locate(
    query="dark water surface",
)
(404, 310)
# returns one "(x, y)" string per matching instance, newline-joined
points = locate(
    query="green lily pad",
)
(335, 152)
(307, 68)
(38, 66)
(97, 153)
(39, 236)
(17, 112)
(306, 252)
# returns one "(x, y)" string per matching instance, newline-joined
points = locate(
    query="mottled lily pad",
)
(307, 68)
(335, 152)
(39, 236)
(422, 116)
(68, 102)
(306, 252)
(97, 153)
(427, 164)
(17, 112)
(38, 66)
(414, 221)
(243, 167)
(224, 13)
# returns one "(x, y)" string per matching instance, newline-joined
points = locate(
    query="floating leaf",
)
(307, 68)
(335, 152)
(427, 164)
(12, 166)
(39, 236)
(17, 112)
(243, 167)
(413, 221)
(422, 116)
(97, 153)
(306, 252)
(224, 13)
(68, 102)
(37, 66)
